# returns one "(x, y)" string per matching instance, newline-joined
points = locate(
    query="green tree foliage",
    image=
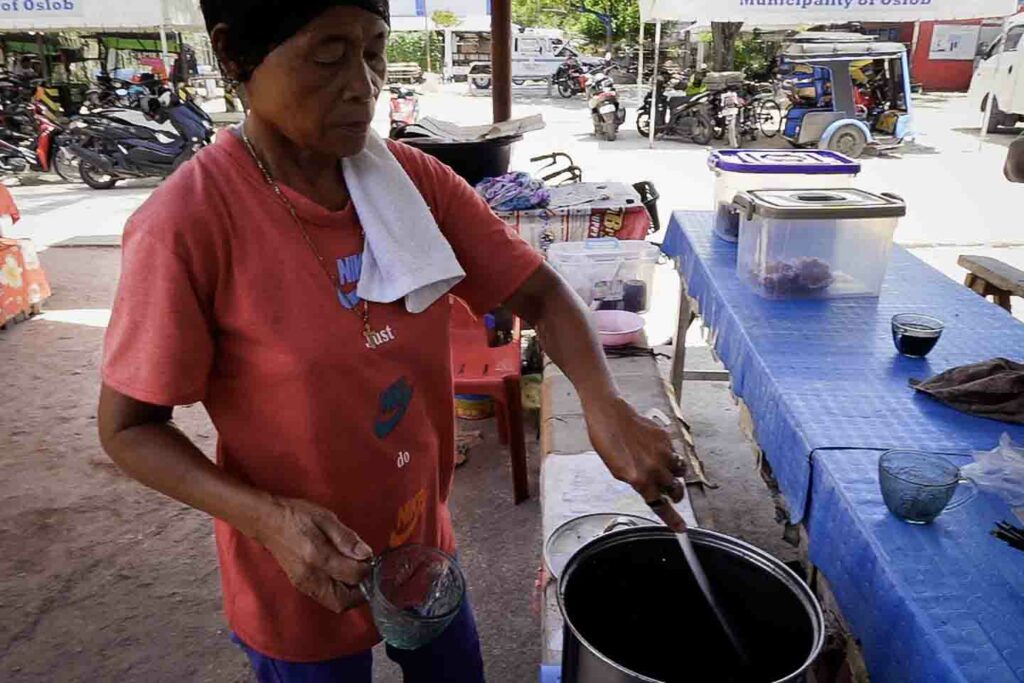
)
(566, 15)
(443, 18)
(756, 57)
(412, 47)
(627, 22)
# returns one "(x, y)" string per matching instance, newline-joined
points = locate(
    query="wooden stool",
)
(991, 277)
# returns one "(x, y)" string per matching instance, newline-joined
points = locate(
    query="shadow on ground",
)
(1004, 137)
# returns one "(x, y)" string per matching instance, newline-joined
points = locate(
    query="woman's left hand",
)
(638, 452)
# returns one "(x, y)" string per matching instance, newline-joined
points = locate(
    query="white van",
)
(1006, 55)
(536, 56)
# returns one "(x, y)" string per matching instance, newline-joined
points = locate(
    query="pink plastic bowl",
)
(618, 328)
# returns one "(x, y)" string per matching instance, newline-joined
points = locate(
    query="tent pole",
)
(166, 56)
(501, 59)
(640, 68)
(654, 83)
(43, 58)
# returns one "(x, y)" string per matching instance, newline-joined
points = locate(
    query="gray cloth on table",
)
(993, 389)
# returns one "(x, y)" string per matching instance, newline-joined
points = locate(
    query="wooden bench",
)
(405, 72)
(991, 277)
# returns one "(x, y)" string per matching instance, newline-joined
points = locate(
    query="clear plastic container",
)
(816, 244)
(609, 274)
(743, 170)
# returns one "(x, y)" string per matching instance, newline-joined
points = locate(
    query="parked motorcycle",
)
(729, 107)
(676, 113)
(570, 78)
(405, 106)
(47, 149)
(110, 147)
(115, 92)
(606, 111)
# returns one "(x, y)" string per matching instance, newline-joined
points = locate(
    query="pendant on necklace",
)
(377, 339)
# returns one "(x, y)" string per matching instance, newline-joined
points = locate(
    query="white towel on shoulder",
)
(406, 255)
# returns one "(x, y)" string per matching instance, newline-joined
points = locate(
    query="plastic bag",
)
(1000, 471)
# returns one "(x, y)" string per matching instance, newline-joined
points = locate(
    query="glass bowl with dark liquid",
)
(916, 335)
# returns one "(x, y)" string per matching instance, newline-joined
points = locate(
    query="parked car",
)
(1001, 72)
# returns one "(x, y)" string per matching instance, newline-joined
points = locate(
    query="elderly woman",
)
(245, 287)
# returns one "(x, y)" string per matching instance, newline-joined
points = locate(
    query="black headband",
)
(256, 27)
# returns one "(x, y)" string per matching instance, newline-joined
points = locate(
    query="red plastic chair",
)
(495, 372)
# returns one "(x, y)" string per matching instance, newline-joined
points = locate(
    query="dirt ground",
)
(102, 580)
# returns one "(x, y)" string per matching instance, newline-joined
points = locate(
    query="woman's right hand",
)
(323, 558)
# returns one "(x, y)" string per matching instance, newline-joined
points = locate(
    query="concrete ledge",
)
(574, 479)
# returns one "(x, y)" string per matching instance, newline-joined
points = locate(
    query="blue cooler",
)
(744, 170)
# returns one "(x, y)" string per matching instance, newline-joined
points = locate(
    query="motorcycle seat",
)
(675, 101)
(170, 148)
(131, 117)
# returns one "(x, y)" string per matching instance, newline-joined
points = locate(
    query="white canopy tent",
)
(102, 15)
(765, 12)
(773, 12)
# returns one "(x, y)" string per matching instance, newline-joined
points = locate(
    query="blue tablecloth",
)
(942, 602)
(828, 392)
(824, 374)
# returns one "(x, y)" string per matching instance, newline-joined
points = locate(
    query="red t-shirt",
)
(222, 301)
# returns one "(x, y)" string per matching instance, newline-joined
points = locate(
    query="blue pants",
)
(454, 657)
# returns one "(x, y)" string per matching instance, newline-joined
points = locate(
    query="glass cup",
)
(918, 486)
(414, 593)
(916, 335)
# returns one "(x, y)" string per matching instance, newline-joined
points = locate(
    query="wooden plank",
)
(683, 326)
(1001, 275)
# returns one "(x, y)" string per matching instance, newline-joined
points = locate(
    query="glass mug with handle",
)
(917, 487)
(414, 592)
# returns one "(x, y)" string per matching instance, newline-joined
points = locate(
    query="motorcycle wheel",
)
(703, 130)
(66, 165)
(733, 132)
(611, 131)
(643, 124)
(565, 90)
(95, 178)
(719, 128)
(769, 117)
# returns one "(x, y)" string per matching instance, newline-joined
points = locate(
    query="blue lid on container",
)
(782, 161)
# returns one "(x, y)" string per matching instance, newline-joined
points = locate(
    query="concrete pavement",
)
(959, 203)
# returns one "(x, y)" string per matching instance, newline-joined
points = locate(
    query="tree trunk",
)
(723, 45)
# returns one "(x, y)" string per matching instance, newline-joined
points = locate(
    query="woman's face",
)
(320, 87)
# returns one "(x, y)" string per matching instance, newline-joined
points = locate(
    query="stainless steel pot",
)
(633, 612)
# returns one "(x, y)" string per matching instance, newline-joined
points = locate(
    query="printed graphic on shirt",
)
(409, 517)
(392, 406)
(349, 270)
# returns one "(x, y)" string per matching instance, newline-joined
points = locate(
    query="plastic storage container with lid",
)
(609, 274)
(820, 244)
(742, 170)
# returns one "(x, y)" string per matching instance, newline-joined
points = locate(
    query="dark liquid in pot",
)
(638, 604)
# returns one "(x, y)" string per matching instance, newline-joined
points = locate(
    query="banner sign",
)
(785, 12)
(954, 42)
(29, 9)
